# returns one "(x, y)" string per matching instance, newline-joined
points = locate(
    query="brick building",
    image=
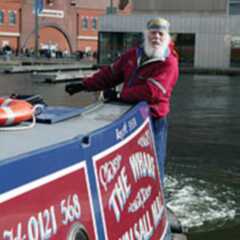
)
(10, 23)
(65, 25)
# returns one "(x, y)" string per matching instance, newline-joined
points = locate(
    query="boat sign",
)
(129, 188)
(33, 212)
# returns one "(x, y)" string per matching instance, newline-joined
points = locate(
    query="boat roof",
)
(96, 116)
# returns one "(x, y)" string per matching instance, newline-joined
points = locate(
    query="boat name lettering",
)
(132, 124)
(122, 132)
(141, 197)
(108, 171)
(142, 165)
(141, 229)
(157, 209)
(126, 128)
(145, 226)
(120, 194)
(145, 139)
(44, 224)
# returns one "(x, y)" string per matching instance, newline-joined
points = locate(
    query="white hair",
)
(159, 52)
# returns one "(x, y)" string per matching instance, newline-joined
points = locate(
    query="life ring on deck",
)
(14, 111)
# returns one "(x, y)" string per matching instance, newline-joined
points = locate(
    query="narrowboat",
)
(82, 173)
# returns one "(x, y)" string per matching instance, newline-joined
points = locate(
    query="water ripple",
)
(200, 205)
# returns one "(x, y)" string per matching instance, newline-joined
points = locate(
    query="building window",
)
(12, 17)
(85, 23)
(185, 46)
(112, 45)
(235, 51)
(1, 17)
(94, 24)
(234, 7)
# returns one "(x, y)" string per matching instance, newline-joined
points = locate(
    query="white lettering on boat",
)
(132, 124)
(145, 226)
(120, 194)
(142, 229)
(108, 170)
(140, 199)
(142, 165)
(157, 210)
(145, 140)
(122, 132)
(44, 224)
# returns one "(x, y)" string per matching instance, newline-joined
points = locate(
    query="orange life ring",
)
(14, 111)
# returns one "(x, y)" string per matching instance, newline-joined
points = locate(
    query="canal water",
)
(203, 165)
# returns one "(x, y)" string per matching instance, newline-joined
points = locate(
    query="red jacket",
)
(152, 80)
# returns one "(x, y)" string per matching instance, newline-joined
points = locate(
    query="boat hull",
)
(104, 184)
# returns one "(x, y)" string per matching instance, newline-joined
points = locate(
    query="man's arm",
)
(105, 78)
(108, 76)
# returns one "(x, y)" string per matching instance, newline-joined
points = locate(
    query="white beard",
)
(159, 52)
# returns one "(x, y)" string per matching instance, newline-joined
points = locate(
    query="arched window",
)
(94, 24)
(1, 17)
(12, 17)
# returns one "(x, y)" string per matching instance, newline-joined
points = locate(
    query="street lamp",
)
(111, 6)
(36, 10)
(111, 9)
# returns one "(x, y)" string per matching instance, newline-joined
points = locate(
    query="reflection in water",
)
(203, 149)
(53, 94)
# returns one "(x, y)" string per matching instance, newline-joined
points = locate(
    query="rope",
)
(37, 109)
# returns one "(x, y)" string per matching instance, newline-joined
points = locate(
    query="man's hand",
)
(111, 95)
(73, 88)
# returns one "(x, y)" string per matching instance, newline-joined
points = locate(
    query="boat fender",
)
(13, 112)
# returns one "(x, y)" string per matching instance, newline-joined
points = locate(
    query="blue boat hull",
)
(103, 183)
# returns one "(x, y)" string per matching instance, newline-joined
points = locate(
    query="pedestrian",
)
(148, 73)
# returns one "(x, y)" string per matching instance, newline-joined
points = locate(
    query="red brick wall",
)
(65, 26)
(67, 30)
(89, 33)
(88, 38)
(9, 33)
(11, 41)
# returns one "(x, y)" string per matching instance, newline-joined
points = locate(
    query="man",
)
(148, 73)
